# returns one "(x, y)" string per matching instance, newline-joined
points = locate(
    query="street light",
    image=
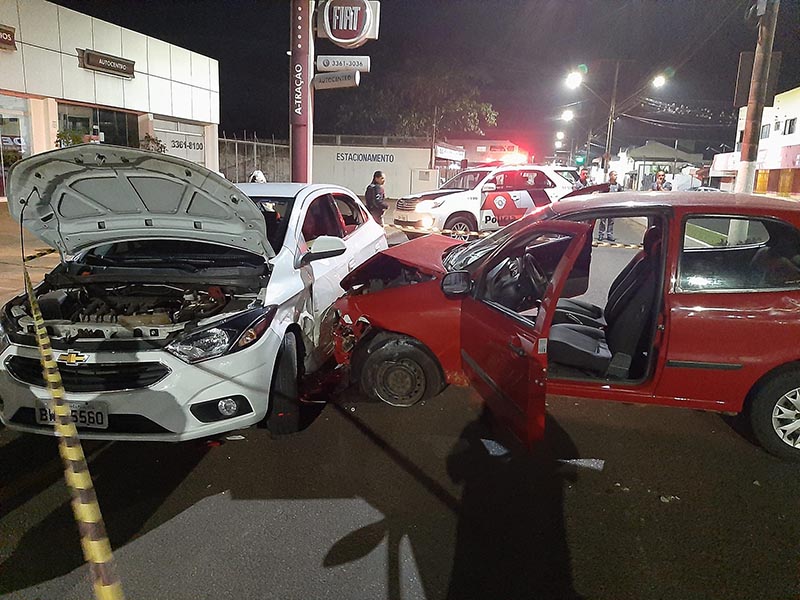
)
(659, 81)
(559, 143)
(559, 135)
(574, 80)
(567, 115)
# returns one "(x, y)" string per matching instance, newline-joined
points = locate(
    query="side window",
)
(352, 216)
(536, 180)
(723, 253)
(322, 218)
(505, 181)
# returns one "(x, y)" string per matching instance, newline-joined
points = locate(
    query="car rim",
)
(460, 231)
(400, 383)
(786, 418)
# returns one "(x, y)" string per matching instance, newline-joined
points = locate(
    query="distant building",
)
(69, 76)
(778, 161)
(636, 167)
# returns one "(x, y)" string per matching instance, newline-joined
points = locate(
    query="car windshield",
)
(459, 258)
(276, 211)
(568, 174)
(466, 180)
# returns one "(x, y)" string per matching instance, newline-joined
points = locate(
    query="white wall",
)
(353, 166)
(169, 81)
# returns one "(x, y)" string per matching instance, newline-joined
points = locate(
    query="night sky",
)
(520, 49)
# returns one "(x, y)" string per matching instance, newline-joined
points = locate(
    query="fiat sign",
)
(347, 23)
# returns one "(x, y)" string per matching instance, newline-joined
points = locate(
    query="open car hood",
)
(82, 196)
(424, 254)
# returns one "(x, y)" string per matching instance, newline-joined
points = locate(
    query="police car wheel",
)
(460, 227)
(284, 399)
(400, 372)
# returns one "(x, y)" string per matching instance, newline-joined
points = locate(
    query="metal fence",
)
(239, 158)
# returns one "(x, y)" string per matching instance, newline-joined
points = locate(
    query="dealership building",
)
(66, 77)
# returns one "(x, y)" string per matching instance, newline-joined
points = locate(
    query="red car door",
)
(504, 350)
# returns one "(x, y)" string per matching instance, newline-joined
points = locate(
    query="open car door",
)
(506, 320)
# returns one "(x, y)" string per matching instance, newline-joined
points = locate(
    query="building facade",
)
(66, 78)
(778, 162)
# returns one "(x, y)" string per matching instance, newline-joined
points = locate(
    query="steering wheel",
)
(535, 273)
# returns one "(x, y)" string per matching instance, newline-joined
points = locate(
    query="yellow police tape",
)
(480, 234)
(94, 540)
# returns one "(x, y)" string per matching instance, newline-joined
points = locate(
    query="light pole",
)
(575, 80)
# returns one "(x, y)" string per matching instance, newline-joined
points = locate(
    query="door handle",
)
(516, 350)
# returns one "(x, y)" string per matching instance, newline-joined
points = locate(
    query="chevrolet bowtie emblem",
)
(72, 358)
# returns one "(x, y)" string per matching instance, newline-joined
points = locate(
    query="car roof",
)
(284, 189)
(745, 203)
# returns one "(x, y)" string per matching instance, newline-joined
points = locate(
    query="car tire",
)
(774, 407)
(284, 397)
(400, 371)
(460, 226)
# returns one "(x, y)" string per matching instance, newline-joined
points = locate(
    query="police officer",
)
(375, 197)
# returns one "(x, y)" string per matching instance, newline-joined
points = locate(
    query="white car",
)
(484, 199)
(184, 306)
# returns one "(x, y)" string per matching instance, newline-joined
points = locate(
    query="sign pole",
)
(301, 102)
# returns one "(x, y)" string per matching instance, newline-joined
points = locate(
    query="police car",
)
(484, 199)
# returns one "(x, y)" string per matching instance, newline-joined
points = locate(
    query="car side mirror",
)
(325, 246)
(456, 283)
(489, 187)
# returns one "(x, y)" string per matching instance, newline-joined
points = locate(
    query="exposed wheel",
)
(284, 397)
(460, 226)
(400, 372)
(775, 415)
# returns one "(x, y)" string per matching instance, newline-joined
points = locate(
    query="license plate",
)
(93, 415)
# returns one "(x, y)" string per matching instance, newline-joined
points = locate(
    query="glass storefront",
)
(77, 124)
(14, 134)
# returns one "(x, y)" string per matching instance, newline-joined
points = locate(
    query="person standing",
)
(661, 184)
(606, 226)
(375, 197)
(583, 180)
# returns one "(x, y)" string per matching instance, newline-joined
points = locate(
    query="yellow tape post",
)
(96, 547)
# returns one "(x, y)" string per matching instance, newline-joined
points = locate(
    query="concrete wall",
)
(353, 166)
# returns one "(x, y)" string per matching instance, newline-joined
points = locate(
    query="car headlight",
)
(223, 338)
(429, 204)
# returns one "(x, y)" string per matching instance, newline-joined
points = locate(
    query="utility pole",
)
(745, 178)
(610, 131)
(301, 103)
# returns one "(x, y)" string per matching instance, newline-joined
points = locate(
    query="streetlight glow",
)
(559, 143)
(567, 115)
(659, 81)
(574, 80)
(559, 135)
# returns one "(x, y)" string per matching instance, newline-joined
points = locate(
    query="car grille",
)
(91, 377)
(116, 423)
(407, 203)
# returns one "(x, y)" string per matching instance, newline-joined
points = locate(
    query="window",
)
(789, 126)
(776, 128)
(351, 214)
(764, 131)
(723, 253)
(276, 211)
(536, 180)
(466, 180)
(321, 219)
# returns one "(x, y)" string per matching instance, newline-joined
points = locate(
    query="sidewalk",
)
(11, 281)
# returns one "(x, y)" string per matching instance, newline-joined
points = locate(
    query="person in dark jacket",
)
(375, 197)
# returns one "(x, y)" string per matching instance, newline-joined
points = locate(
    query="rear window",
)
(724, 253)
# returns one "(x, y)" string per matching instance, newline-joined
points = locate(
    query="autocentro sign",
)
(347, 23)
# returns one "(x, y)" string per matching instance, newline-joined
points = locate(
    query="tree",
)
(417, 104)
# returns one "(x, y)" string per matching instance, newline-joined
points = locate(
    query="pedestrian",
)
(661, 184)
(605, 229)
(258, 177)
(375, 197)
(583, 180)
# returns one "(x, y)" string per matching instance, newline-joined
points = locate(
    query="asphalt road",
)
(431, 502)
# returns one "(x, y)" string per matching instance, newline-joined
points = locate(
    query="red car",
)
(701, 309)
